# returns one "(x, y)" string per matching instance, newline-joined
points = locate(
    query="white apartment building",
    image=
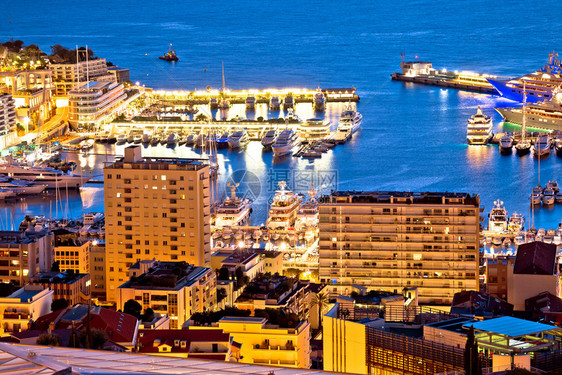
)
(93, 103)
(66, 76)
(8, 133)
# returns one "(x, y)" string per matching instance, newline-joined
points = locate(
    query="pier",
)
(423, 72)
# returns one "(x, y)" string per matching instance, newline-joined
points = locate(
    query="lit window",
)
(163, 177)
(417, 256)
(118, 195)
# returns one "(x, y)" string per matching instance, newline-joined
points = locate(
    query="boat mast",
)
(523, 125)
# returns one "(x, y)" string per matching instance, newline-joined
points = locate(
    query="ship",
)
(479, 129)
(234, 210)
(283, 211)
(538, 85)
(170, 55)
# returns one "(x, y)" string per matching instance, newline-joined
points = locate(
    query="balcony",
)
(265, 346)
(16, 315)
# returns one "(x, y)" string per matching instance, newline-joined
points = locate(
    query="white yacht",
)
(542, 145)
(22, 187)
(548, 197)
(479, 128)
(319, 101)
(314, 130)
(506, 143)
(92, 218)
(285, 143)
(5, 194)
(516, 223)
(283, 211)
(238, 138)
(553, 184)
(536, 195)
(234, 210)
(269, 138)
(274, 104)
(497, 221)
(172, 140)
(307, 217)
(51, 177)
(350, 120)
(288, 102)
(145, 138)
(121, 139)
(137, 138)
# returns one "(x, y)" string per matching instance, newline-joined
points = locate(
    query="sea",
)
(413, 137)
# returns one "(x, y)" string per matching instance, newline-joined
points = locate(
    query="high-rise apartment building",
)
(394, 240)
(7, 121)
(154, 208)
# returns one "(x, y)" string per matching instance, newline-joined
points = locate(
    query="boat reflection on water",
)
(480, 157)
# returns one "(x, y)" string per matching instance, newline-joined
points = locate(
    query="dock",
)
(423, 72)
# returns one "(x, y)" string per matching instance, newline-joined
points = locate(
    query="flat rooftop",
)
(243, 319)
(158, 164)
(400, 197)
(512, 327)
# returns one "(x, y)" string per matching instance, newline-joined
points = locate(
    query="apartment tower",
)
(389, 241)
(155, 208)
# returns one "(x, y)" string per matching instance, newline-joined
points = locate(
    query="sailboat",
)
(523, 147)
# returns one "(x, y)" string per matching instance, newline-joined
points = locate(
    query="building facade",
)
(176, 289)
(23, 306)
(155, 208)
(93, 103)
(97, 270)
(389, 241)
(7, 121)
(73, 254)
(73, 287)
(66, 76)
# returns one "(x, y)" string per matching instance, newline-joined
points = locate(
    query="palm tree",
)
(320, 300)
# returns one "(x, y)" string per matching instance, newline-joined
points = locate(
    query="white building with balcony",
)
(23, 306)
(93, 103)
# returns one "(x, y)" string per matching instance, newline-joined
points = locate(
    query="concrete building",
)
(23, 306)
(267, 344)
(497, 272)
(66, 76)
(389, 241)
(23, 255)
(97, 270)
(92, 104)
(177, 289)
(73, 287)
(535, 270)
(121, 74)
(8, 133)
(72, 254)
(155, 208)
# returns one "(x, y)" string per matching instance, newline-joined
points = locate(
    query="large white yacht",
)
(307, 217)
(269, 138)
(479, 129)
(350, 120)
(285, 143)
(319, 101)
(52, 178)
(283, 211)
(234, 210)
(314, 130)
(238, 138)
(21, 187)
(516, 223)
(498, 218)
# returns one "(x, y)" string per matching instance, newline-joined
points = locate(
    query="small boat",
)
(137, 138)
(558, 146)
(171, 140)
(111, 138)
(238, 138)
(21, 187)
(269, 138)
(506, 242)
(519, 239)
(536, 195)
(557, 239)
(222, 140)
(190, 139)
(506, 144)
(170, 55)
(497, 241)
(155, 139)
(548, 197)
(542, 145)
(558, 197)
(552, 184)
(250, 103)
(145, 139)
(289, 102)
(121, 139)
(7, 193)
(130, 137)
(181, 139)
(86, 144)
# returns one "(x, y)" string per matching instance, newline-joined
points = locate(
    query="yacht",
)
(558, 146)
(121, 139)
(172, 140)
(536, 195)
(274, 104)
(506, 144)
(234, 210)
(319, 101)
(548, 197)
(213, 103)
(558, 197)
(285, 143)
(86, 144)
(238, 138)
(52, 178)
(137, 138)
(22, 187)
(289, 102)
(222, 140)
(145, 138)
(542, 145)
(92, 218)
(269, 138)
(479, 128)
(553, 185)
(539, 84)
(250, 103)
(314, 130)
(516, 223)
(350, 120)
(283, 211)
(497, 221)
(307, 217)
(5, 194)
(190, 139)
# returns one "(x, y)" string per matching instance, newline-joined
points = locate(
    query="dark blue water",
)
(413, 137)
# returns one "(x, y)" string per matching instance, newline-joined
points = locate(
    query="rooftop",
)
(59, 277)
(512, 327)
(167, 275)
(401, 197)
(535, 258)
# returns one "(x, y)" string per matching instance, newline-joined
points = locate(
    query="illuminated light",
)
(94, 242)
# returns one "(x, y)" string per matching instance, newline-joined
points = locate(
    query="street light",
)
(26, 122)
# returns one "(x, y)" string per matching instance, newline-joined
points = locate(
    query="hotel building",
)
(24, 306)
(93, 103)
(154, 208)
(389, 241)
(176, 289)
(7, 121)
(66, 76)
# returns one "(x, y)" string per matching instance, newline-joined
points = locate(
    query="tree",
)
(221, 294)
(56, 266)
(148, 315)
(59, 304)
(98, 337)
(224, 274)
(49, 339)
(320, 300)
(133, 308)
(471, 359)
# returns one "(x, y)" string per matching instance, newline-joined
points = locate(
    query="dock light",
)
(137, 83)
(240, 244)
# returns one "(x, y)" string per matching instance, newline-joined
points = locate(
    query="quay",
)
(182, 98)
(423, 72)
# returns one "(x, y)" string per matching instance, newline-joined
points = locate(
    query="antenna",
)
(87, 66)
